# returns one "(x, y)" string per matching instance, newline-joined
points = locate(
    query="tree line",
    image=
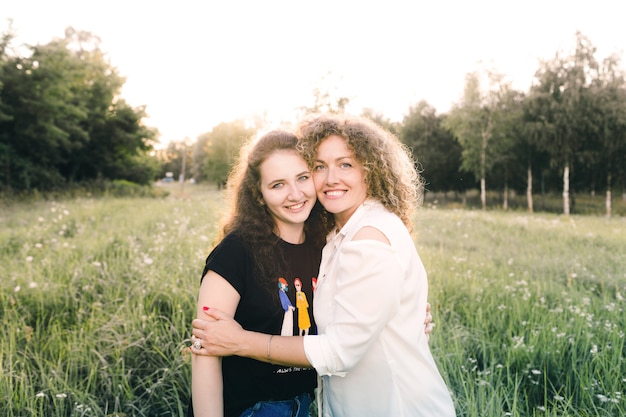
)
(62, 121)
(566, 134)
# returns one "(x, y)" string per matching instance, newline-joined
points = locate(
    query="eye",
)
(319, 167)
(346, 165)
(277, 185)
(304, 177)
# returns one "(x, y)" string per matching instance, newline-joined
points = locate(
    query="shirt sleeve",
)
(230, 260)
(369, 278)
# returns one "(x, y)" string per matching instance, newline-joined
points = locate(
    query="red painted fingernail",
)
(205, 308)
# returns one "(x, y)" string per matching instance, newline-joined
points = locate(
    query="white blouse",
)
(370, 306)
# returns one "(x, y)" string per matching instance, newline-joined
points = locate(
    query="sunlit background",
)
(197, 63)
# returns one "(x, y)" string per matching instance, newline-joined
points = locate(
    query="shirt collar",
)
(352, 221)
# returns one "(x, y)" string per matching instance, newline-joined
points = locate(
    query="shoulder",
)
(370, 233)
(379, 217)
(231, 242)
(231, 252)
(380, 224)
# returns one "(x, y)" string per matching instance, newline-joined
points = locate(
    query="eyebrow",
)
(283, 179)
(336, 159)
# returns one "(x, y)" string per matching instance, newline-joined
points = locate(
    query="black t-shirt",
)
(247, 381)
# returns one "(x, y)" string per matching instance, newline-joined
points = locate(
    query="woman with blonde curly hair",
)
(371, 290)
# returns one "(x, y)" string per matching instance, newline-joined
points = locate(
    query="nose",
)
(331, 175)
(295, 193)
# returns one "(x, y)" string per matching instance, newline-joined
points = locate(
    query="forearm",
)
(207, 386)
(278, 350)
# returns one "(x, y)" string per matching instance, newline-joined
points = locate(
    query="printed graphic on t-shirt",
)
(304, 321)
(283, 287)
(301, 307)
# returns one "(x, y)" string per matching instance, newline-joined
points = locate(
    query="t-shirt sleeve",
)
(367, 296)
(229, 259)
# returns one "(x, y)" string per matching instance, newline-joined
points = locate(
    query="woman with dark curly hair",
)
(271, 239)
(371, 292)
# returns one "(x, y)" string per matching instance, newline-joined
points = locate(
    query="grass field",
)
(97, 296)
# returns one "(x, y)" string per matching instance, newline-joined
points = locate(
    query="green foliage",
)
(215, 152)
(63, 121)
(437, 151)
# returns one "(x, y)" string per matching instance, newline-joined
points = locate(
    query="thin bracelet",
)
(269, 341)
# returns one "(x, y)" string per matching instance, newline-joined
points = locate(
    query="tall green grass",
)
(97, 296)
(531, 311)
(96, 300)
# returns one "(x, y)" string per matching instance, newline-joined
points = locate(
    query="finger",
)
(198, 324)
(429, 318)
(215, 313)
(197, 332)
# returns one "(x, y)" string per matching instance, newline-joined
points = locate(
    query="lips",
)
(334, 193)
(295, 207)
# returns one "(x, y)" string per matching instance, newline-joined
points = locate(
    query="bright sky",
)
(196, 63)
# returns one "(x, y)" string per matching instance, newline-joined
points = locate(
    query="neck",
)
(293, 235)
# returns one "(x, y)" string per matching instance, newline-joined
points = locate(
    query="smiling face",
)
(288, 192)
(339, 179)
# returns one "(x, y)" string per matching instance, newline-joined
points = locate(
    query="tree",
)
(68, 122)
(437, 151)
(47, 122)
(476, 122)
(326, 97)
(381, 120)
(221, 148)
(562, 103)
(509, 142)
(609, 115)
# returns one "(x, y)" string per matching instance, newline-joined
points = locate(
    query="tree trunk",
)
(529, 189)
(505, 201)
(483, 186)
(483, 193)
(607, 202)
(566, 189)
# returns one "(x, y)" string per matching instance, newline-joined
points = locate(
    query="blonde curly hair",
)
(390, 169)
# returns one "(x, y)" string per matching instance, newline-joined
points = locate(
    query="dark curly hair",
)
(390, 169)
(250, 219)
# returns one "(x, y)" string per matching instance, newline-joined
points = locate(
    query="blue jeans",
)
(295, 407)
